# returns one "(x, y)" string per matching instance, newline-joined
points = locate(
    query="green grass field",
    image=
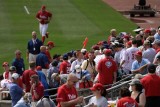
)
(73, 20)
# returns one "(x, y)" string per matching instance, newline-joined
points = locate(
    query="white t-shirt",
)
(131, 57)
(98, 58)
(124, 57)
(74, 63)
(101, 102)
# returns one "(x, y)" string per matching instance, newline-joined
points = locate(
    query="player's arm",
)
(37, 17)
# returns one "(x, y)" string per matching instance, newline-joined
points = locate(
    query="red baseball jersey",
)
(66, 94)
(43, 16)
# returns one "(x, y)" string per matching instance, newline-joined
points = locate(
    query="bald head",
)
(72, 76)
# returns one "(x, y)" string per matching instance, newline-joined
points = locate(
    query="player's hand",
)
(79, 99)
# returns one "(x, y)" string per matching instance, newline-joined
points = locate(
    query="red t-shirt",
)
(107, 67)
(43, 16)
(65, 67)
(66, 94)
(151, 84)
(40, 91)
(48, 55)
(127, 102)
(26, 78)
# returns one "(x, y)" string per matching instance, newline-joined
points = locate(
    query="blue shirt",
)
(34, 47)
(157, 36)
(43, 80)
(15, 92)
(136, 65)
(19, 64)
(22, 103)
(42, 60)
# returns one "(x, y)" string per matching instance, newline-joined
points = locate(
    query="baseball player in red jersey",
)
(44, 18)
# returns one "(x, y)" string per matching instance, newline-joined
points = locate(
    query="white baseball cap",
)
(15, 75)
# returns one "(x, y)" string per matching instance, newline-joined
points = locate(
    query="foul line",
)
(25, 7)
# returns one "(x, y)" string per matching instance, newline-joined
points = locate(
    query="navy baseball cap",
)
(65, 57)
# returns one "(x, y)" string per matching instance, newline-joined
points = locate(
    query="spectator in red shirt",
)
(50, 45)
(126, 100)
(65, 65)
(67, 95)
(27, 74)
(44, 17)
(107, 69)
(151, 84)
(37, 89)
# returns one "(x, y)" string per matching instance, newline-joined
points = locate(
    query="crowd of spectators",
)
(105, 63)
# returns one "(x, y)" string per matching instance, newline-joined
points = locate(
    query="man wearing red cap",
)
(140, 64)
(44, 17)
(107, 68)
(50, 45)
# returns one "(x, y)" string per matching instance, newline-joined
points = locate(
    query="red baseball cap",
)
(95, 47)
(97, 86)
(129, 43)
(138, 53)
(5, 64)
(107, 51)
(50, 43)
(126, 37)
(147, 31)
(43, 7)
(39, 68)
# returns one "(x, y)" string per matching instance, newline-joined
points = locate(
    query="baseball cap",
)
(135, 82)
(157, 41)
(107, 51)
(65, 57)
(5, 64)
(129, 43)
(15, 76)
(151, 68)
(138, 76)
(83, 50)
(39, 68)
(138, 53)
(97, 86)
(43, 7)
(12, 68)
(126, 37)
(147, 31)
(146, 42)
(50, 43)
(95, 47)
